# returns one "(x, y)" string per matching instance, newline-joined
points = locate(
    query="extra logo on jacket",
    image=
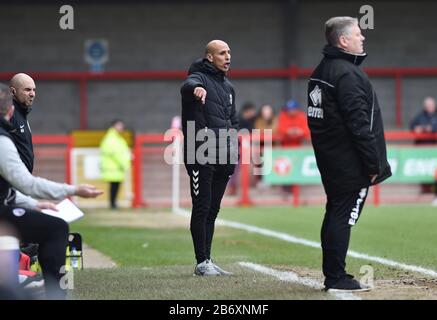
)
(316, 110)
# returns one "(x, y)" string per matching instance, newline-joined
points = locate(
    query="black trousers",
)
(114, 187)
(207, 184)
(50, 233)
(342, 212)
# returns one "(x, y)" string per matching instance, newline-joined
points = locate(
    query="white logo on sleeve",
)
(316, 98)
(230, 99)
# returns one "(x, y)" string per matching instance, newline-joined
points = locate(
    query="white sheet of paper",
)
(67, 210)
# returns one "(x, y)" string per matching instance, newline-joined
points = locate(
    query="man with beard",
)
(208, 108)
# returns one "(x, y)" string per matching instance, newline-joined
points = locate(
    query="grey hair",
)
(337, 27)
(5, 99)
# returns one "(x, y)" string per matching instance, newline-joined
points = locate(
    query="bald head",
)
(23, 89)
(429, 105)
(214, 46)
(20, 79)
(218, 53)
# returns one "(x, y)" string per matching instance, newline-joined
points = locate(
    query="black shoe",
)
(347, 284)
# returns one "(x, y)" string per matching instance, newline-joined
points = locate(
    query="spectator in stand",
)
(246, 119)
(426, 122)
(292, 129)
(266, 118)
(247, 116)
(292, 124)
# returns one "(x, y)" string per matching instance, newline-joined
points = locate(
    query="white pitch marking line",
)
(289, 238)
(289, 276)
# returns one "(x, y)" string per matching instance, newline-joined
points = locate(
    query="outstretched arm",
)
(14, 171)
(194, 88)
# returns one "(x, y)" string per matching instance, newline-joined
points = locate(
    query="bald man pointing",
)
(23, 90)
(208, 117)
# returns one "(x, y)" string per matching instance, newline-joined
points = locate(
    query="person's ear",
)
(209, 57)
(13, 91)
(342, 41)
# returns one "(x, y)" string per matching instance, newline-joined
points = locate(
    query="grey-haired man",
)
(348, 139)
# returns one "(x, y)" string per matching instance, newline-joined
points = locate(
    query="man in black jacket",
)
(210, 127)
(24, 91)
(31, 225)
(348, 139)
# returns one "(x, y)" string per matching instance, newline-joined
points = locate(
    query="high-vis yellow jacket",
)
(115, 156)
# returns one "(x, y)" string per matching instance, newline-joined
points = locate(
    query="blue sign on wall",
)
(96, 54)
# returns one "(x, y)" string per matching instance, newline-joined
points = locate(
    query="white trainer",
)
(220, 270)
(205, 268)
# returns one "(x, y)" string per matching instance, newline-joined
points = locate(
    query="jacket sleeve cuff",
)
(70, 190)
(27, 202)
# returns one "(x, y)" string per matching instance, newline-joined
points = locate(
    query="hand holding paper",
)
(41, 205)
(67, 211)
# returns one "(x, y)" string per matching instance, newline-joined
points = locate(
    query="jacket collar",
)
(204, 66)
(21, 109)
(332, 52)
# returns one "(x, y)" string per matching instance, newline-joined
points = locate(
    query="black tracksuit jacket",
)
(219, 110)
(22, 135)
(346, 124)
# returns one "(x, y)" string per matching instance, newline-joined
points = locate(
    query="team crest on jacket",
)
(18, 212)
